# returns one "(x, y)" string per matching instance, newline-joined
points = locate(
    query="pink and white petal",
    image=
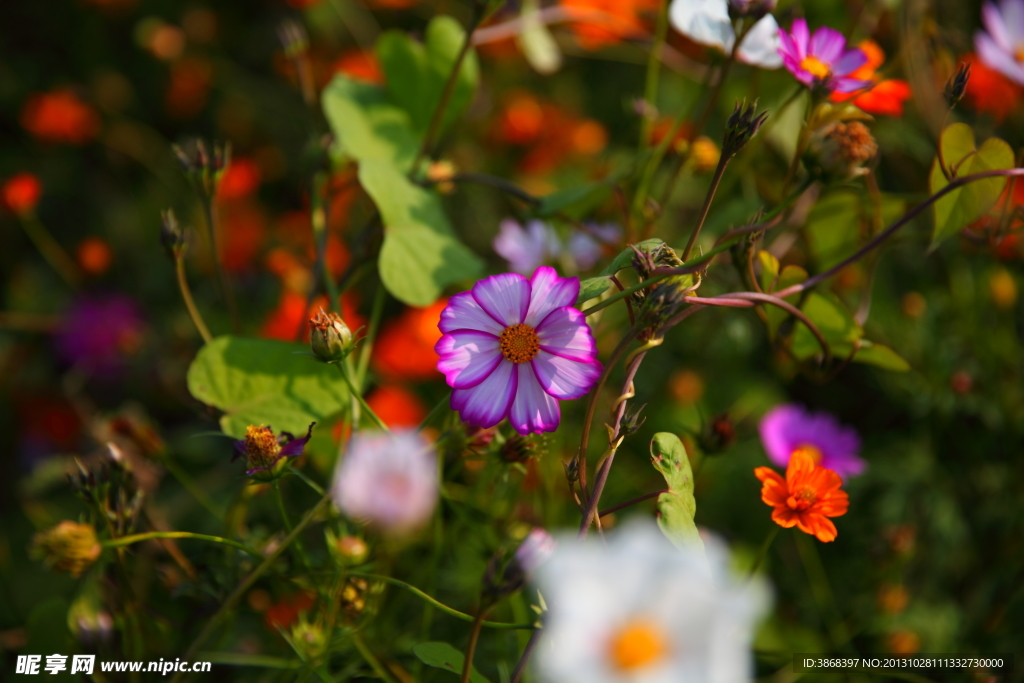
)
(565, 333)
(801, 36)
(787, 47)
(533, 410)
(564, 378)
(548, 292)
(464, 313)
(827, 44)
(467, 357)
(993, 20)
(505, 297)
(486, 404)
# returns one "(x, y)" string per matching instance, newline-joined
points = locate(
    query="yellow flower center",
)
(261, 446)
(815, 66)
(1018, 54)
(637, 644)
(519, 343)
(802, 498)
(808, 449)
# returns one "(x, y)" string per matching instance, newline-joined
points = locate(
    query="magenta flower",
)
(99, 333)
(526, 249)
(388, 480)
(1002, 48)
(788, 428)
(821, 60)
(512, 347)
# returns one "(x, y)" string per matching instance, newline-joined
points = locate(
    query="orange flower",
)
(94, 255)
(21, 193)
(806, 498)
(59, 116)
(241, 178)
(606, 22)
(397, 406)
(405, 346)
(360, 65)
(885, 97)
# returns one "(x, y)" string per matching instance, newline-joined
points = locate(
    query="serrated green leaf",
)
(676, 507)
(265, 381)
(966, 204)
(593, 287)
(367, 125)
(880, 356)
(421, 254)
(416, 73)
(444, 656)
(835, 323)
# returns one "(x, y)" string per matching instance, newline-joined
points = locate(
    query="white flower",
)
(707, 22)
(534, 551)
(387, 480)
(641, 610)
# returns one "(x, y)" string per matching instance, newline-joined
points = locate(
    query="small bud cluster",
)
(112, 493)
(201, 168)
(741, 126)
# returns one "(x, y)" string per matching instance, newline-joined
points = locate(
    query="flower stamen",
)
(519, 343)
(637, 644)
(815, 67)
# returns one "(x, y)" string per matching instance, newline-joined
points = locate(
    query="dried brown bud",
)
(839, 150)
(68, 547)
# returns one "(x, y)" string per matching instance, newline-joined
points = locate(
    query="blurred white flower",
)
(535, 550)
(587, 248)
(526, 250)
(641, 610)
(708, 22)
(387, 480)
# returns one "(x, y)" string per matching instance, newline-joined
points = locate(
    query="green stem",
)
(318, 222)
(51, 250)
(435, 411)
(136, 538)
(371, 658)
(440, 605)
(190, 304)
(191, 487)
(359, 397)
(822, 591)
(309, 482)
(366, 346)
(764, 549)
(247, 583)
(653, 72)
(279, 497)
(229, 296)
(723, 161)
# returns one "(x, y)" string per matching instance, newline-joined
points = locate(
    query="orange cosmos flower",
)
(21, 193)
(606, 22)
(396, 406)
(405, 346)
(885, 97)
(806, 498)
(59, 116)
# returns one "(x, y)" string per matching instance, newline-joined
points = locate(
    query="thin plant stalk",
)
(435, 411)
(723, 161)
(138, 538)
(763, 552)
(186, 481)
(474, 636)
(371, 658)
(190, 304)
(51, 250)
(358, 396)
(653, 72)
(632, 501)
(211, 225)
(283, 511)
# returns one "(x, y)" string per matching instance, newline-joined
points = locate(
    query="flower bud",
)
(172, 235)
(534, 551)
(68, 547)
(353, 548)
(839, 150)
(329, 338)
(741, 126)
(956, 86)
(441, 173)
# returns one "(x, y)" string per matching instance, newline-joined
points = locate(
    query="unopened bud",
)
(839, 151)
(172, 235)
(631, 421)
(201, 168)
(329, 338)
(741, 126)
(956, 86)
(68, 547)
(518, 448)
(353, 548)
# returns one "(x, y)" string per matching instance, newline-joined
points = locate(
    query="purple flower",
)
(587, 247)
(513, 347)
(262, 449)
(1002, 48)
(527, 249)
(100, 332)
(388, 480)
(821, 60)
(788, 428)
(534, 551)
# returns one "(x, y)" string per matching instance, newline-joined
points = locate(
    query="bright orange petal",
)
(801, 464)
(824, 529)
(785, 517)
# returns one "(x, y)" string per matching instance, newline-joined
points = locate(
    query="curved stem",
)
(371, 658)
(190, 304)
(524, 659)
(440, 605)
(732, 298)
(138, 538)
(723, 161)
(51, 250)
(633, 501)
(764, 549)
(474, 636)
(906, 218)
(357, 395)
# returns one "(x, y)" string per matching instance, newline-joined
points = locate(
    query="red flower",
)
(59, 116)
(607, 22)
(806, 498)
(21, 193)
(885, 97)
(396, 406)
(241, 178)
(405, 346)
(989, 91)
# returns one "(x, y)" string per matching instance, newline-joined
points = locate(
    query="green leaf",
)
(367, 125)
(416, 73)
(835, 323)
(444, 656)
(535, 40)
(421, 254)
(840, 220)
(264, 381)
(966, 204)
(769, 269)
(676, 507)
(593, 287)
(881, 356)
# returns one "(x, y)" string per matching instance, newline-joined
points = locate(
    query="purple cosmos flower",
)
(262, 449)
(100, 332)
(587, 247)
(512, 347)
(789, 428)
(526, 249)
(821, 60)
(1002, 48)
(388, 480)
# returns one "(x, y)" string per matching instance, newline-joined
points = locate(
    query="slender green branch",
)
(211, 224)
(723, 161)
(474, 636)
(435, 411)
(358, 396)
(51, 250)
(653, 72)
(371, 658)
(632, 501)
(763, 552)
(138, 538)
(309, 482)
(190, 486)
(279, 497)
(190, 304)
(440, 605)
(366, 344)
